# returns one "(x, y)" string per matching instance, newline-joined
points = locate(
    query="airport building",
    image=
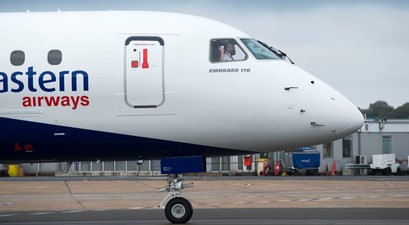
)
(375, 137)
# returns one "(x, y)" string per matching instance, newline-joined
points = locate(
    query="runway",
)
(253, 216)
(216, 200)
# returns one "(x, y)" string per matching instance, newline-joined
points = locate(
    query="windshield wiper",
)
(278, 52)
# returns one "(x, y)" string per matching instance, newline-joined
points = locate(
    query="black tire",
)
(398, 171)
(178, 210)
(387, 171)
(290, 173)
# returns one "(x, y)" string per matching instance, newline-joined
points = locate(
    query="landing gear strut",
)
(177, 209)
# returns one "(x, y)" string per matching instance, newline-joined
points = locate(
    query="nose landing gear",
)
(177, 209)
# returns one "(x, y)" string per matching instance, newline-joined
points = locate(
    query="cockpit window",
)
(225, 50)
(259, 50)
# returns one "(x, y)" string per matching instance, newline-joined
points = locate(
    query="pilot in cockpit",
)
(227, 51)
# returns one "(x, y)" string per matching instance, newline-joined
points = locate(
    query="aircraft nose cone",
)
(348, 118)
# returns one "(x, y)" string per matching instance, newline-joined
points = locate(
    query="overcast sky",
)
(361, 48)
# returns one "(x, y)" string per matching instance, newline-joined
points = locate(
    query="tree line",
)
(381, 109)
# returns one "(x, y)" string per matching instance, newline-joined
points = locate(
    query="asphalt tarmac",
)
(216, 200)
(253, 216)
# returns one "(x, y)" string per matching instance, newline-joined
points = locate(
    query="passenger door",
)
(144, 72)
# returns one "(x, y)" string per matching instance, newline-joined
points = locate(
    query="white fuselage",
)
(183, 97)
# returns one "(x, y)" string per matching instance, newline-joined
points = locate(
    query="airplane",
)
(133, 85)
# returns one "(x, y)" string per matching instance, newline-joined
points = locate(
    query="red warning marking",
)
(28, 147)
(145, 64)
(17, 147)
(134, 64)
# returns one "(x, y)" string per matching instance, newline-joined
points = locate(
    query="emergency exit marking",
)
(134, 64)
(145, 64)
(144, 72)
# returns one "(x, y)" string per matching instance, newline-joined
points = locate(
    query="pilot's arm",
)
(221, 49)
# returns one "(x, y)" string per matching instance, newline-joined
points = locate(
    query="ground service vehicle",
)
(385, 164)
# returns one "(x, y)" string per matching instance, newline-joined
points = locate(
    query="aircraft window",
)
(17, 58)
(54, 57)
(227, 49)
(258, 50)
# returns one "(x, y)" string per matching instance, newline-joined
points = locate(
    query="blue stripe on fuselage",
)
(25, 141)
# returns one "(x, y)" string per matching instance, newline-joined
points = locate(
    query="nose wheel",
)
(177, 209)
